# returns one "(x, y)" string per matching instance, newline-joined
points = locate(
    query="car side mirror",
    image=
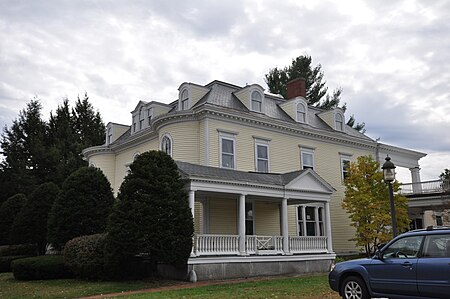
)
(378, 255)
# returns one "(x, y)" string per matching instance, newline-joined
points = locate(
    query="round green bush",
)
(84, 256)
(40, 267)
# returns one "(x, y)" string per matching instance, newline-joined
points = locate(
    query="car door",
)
(433, 268)
(395, 271)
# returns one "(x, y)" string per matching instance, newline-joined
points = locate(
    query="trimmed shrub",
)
(40, 267)
(8, 211)
(82, 207)
(30, 225)
(5, 262)
(84, 256)
(22, 249)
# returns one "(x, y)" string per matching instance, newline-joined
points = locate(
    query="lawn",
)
(286, 287)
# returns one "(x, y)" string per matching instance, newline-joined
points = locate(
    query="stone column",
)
(328, 227)
(241, 224)
(284, 226)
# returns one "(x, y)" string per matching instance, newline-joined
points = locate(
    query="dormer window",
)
(141, 118)
(134, 123)
(301, 113)
(339, 122)
(109, 136)
(149, 115)
(184, 100)
(256, 101)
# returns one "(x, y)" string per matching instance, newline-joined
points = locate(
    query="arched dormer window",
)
(166, 144)
(184, 100)
(339, 122)
(256, 104)
(301, 113)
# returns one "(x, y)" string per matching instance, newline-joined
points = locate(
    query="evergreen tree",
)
(88, 125)
(152, 214)
(367, 202)
(8, 211)
(64, 143)
(82, 207)
(30, 224)
(24, 145)
(316, 89)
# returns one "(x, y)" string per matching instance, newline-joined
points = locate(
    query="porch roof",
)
(305, 184)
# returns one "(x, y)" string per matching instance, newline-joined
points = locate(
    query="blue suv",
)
(415, 264)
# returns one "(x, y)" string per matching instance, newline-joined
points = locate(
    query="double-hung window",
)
(227, 150)
(301, 113)
(345, 165)
(262, 155)
(166, 144)
(184, 100)
(307, 158)
(339, 122)
(256, 101)
(149, 115)
(310, 221)
(141, 118)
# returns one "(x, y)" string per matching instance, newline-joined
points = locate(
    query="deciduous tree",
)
(367, 202)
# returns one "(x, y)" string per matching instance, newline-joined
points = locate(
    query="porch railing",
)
(307, 244)
(427, 187)
(216, 244)
(257, 245)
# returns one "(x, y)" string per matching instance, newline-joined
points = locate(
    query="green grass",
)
(293, 287)
(66, 288)
(313, 287)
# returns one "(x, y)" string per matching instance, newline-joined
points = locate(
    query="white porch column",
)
(284, 226)
(241, 224)
(415, 177)
(192, 206)
(192, 202)
(328, 227)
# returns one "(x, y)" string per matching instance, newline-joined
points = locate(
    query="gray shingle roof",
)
(193, 170)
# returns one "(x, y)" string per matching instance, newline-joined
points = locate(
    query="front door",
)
(395, 272)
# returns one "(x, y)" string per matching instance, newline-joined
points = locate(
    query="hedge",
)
(23, 249)
(5, 262)
(40, 267)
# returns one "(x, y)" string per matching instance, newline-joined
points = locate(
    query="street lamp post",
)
(389, 177)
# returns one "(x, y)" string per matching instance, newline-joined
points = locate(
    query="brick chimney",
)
(296, 88)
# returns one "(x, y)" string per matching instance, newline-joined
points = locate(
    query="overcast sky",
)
(392, 58)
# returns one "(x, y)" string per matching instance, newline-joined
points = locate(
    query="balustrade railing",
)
(256, 245)
(427, 187)
(307, 244)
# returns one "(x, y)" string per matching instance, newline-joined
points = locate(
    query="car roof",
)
(431, 230)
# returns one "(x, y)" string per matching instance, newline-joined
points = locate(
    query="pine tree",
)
(316, 89)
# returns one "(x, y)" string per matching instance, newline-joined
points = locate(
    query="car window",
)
(437, 246)
(407, 247)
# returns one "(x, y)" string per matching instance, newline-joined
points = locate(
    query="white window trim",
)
(307, 151)
(336, 122)
(262, 142)
(180, 104)
(261, 94)
(305, 112)
(109, 135)
(228, 136)
(344, 157)
(171, 143)
(149, 115)
(317, 231)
